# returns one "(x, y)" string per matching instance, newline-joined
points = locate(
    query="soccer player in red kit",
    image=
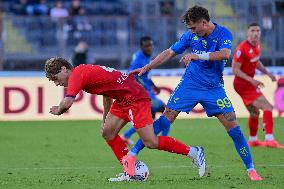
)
(245, 62)
(131, 104)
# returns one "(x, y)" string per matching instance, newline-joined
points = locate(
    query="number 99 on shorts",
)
(224, 103)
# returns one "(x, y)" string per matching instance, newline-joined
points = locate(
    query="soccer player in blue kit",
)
(202, 81)
(141, 58)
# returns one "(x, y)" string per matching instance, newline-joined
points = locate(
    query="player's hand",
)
(139, 71)
(54, 110)
(257, 83)
(272, 77)
(188, 57)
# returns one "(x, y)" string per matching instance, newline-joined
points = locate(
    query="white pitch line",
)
(101, 168)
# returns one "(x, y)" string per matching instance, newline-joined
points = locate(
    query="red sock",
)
(253, 125)
(172, 145)
(118, 147)
(268, 121)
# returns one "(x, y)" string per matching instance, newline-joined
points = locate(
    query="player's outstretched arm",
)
(64, 105)
(161, 58)
(261, 68)
(223, 54)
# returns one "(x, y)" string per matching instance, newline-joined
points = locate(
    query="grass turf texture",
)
(72, 154)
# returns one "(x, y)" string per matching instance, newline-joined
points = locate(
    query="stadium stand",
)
(112, 28)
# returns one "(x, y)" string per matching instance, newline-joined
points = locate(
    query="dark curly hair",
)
(194, 14)
(53, 66)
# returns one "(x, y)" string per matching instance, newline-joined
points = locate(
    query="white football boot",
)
(198, 160)
(123, 177)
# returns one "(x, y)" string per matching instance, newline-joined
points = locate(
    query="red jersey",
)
(248, 56)
(105, 81)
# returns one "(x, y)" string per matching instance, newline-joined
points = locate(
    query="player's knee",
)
(152, 144)
(254, 114)
(268, 107)
(106, 133)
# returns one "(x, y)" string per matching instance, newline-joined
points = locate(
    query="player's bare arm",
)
(107, 102)
(161, 58)
(223, 54)
(64, 105)
(261, 68)
(239, 73)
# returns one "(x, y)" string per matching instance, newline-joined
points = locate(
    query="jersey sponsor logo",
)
(238, 53)
(215, 41)
(122, 78)
(255, 59)
(227, 42)
(198, 51)
(195, 38)
(250, 51)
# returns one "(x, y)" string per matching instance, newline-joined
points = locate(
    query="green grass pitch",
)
(72, 154)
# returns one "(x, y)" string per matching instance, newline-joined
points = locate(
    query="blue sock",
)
(165, 132)
(241, 146)
(160, 124)
(129, 132)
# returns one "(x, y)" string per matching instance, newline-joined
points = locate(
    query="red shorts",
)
(247, 91)
(138, 113)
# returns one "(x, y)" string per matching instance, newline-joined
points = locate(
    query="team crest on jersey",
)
(204, 43)
(238, 54)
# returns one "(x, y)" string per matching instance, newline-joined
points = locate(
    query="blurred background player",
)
(245, 62)
(80, 55)
(140, 59)
(202, 82)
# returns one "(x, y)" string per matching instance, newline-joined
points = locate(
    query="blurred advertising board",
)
(29, 98)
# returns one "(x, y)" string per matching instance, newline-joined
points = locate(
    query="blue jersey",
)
(138, 61)
(203, 73)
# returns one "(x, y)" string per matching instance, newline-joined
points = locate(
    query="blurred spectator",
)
(41, 8)
(81, 21)
(75, 8)
(80, 55)
(21, 7)
(58, 11)
(166, 8)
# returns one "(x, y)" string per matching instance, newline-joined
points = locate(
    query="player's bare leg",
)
(110, 130)
(253, 126)
(263, 104)
(229, 122)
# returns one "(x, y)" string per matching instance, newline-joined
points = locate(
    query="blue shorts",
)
(185, 98)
